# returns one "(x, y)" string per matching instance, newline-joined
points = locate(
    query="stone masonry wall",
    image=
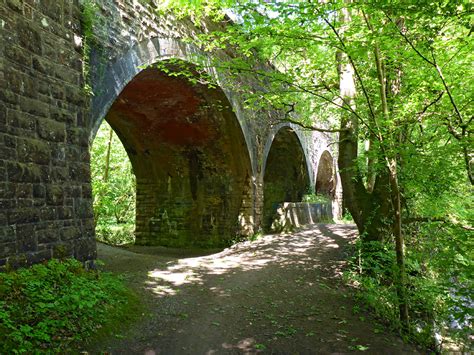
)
(47, 122)
(45, 192)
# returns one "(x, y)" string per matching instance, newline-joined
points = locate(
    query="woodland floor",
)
(281, 294)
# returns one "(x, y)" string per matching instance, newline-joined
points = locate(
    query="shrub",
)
(55, 305)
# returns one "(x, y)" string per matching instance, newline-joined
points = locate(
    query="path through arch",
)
(326, 176)
(189, 157)
(286, 176)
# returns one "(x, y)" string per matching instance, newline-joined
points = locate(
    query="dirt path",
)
(281, 294)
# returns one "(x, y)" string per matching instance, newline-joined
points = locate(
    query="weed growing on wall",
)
(89, 11)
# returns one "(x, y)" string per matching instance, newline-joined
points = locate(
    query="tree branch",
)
(313, 128)
(364, 90)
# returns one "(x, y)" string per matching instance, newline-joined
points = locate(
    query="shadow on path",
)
(281, 294)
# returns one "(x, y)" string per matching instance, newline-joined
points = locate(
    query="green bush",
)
(55, 305)
(439, 285)
(115, 234)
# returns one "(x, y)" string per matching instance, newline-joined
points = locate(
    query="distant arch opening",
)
(189, 156)
(113, 187)
(326, 176)
(286, 176)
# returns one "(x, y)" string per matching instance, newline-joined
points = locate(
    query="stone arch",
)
(326, 176)
(109, 79)
(286, 173)
(189, 156)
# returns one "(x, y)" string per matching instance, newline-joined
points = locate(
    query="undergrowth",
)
(439, 305)
(55, 306)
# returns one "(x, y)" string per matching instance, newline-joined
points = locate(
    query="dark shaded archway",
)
(286, 176)
(326, 176)
(189, 157)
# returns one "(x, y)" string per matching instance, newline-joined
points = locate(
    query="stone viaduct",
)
(207, 167)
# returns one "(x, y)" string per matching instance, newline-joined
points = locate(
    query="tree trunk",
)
(399, 245)
(369, 210)
(107, 157)
(394, 187)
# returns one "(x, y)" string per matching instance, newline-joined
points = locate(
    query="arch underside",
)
(190, 160)
(286, 176)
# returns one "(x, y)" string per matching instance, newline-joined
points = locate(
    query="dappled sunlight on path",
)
(277, 294)
(284, 249)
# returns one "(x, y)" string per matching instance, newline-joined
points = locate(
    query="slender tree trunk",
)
(394, 193)
(468, 162)
(399, 245)
(367, 209)
(371, 161)
(107, 157)
(354, 193)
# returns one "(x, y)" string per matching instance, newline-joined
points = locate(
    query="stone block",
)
(10, 141)
(24, 191)
(47, 236)
(51, 130)
(38, 256)
(10, 153)
(18, 55)
(65, 212)
(75, 95)
(87, 191)
(29, 36)
(59, 174)
(7, 190)
(42, 66)
(3, 221)
(63, 250)
(7, 204)
(85, 249)
(53, 9)
(58, 155)
(58, 114)
(7, 249)
(18, 172)
(23, 215)
(15, 5)
(39, 191)
(34, 107)
(21, 120)
(26, 243)
(24, 202)
(54, 195)
(16, 81)
(70, 233)
(83, 208)
(7, 234)
(78, 136)
(17, 261)
(33, 150)
(3, 114)
(3, 174)
(48, 213)
(79, 172)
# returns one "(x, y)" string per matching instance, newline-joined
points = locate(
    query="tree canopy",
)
(392, 81)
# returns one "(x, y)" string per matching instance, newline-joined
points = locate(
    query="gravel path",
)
(281, 294)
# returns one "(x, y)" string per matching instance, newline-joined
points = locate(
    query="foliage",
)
(392, 78)
(114, 197)
(89, 15)
(52, 306)
(315, 198)
(439, 284)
